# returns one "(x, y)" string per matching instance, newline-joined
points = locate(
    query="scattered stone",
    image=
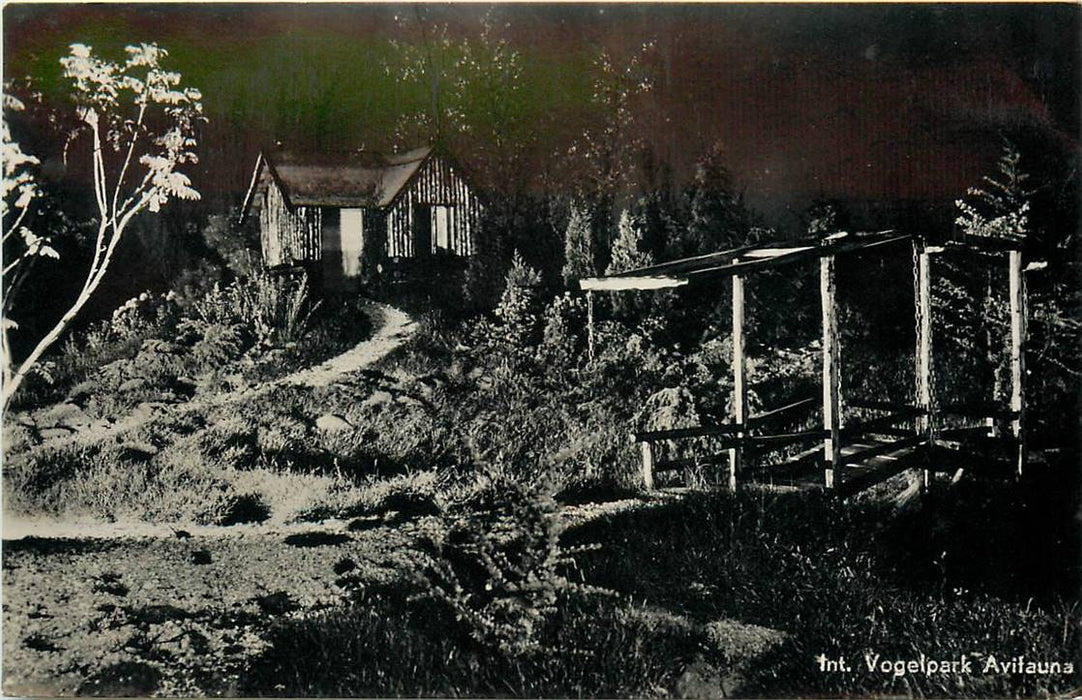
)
(201, 557)
(378, 398)
(133, 384)
(333, 423)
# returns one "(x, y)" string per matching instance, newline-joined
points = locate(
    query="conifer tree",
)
(627, 250)
(578, 246)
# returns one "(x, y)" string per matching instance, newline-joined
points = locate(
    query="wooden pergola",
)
(849, 459)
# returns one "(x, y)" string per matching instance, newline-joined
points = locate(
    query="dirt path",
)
(66, 423)
(170, 616)
(396, 328)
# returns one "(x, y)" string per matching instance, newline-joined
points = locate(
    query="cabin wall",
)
(288, 238)
(435, 184)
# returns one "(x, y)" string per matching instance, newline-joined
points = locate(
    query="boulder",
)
(333, 423)
(378, 398)
(55, 433)
(740, 642)
(133, 384)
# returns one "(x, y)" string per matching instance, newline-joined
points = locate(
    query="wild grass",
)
(835, 578)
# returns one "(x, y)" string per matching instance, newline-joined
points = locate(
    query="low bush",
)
(498, 567)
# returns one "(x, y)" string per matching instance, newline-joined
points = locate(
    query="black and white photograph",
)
(541, 350)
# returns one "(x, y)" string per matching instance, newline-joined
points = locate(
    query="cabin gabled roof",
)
(349, 179)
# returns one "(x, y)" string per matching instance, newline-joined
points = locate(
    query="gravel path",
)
(172, 616)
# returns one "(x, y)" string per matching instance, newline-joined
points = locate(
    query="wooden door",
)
(422, 231)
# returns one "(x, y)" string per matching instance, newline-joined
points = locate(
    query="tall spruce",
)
(578, 246)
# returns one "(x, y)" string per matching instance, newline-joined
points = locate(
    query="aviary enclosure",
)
(676, 350)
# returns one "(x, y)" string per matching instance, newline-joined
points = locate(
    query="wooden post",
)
(590, 323)
(647, 464)
(1018, 358)
(924, 349)
(740, 391)
(831, 397)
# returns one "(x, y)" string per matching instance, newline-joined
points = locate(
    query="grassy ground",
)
(704, 595)
(695, 583)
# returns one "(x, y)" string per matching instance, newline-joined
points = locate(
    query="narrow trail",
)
(393, 328)
(396, 328)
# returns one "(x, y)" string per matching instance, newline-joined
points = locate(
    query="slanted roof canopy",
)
(679, 273)
(350, 179)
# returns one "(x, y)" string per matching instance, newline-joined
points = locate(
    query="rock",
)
(64, 414)
(364, 523)
(701, 680)
(158, 345)
(333, 423)
(740, 642)
(138, 451)
(75, 417)
(133, 384)
(378, 398)
(142, 412)
(55, 433)
(278, 603)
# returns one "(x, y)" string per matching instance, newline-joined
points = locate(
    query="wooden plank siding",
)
(435, 184)
(288, 238)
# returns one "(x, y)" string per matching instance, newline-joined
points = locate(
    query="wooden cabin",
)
(360, 217)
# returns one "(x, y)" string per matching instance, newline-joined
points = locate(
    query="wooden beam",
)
(877, 475)
(647, 449)
(1018, 357)
(683, 433)
(831, 392)
(775, 412)
(678, 273)
(684, 264)
(902, 408)
(884, 449)
(740, 390)
(621, 284)
(590, 323)
(924, 348)
(759, 253)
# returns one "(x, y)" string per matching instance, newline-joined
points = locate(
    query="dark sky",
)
(863, 102)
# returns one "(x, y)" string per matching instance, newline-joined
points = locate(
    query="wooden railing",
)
(731, 436)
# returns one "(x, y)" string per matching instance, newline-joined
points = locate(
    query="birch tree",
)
(136, 124)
